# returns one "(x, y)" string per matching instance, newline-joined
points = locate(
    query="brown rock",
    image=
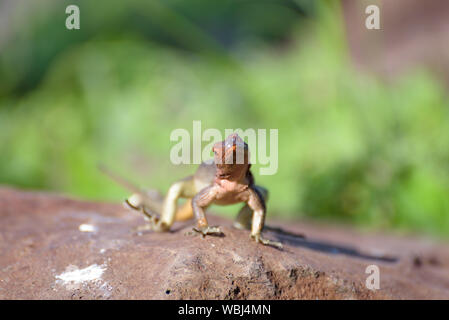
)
(53, 247)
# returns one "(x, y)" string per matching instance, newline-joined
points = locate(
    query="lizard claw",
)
(258, 238)
(204, 231)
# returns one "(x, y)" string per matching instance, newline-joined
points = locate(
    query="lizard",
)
(225, 179)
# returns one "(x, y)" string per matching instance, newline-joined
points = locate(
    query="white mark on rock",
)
(74, 278)
(75, 275)
(87, 227)
(237, 258)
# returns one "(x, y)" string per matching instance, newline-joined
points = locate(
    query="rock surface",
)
(54, 247)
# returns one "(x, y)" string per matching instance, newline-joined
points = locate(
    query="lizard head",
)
(231, 154)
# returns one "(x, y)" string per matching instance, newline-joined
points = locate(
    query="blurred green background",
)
(352, 147)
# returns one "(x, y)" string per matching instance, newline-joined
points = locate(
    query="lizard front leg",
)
(244, 217)
(184, 188)
(200, 202)
(257, 204)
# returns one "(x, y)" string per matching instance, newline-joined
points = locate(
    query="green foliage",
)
(351, 147)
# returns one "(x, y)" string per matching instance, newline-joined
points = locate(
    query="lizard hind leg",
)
(150, 199)
(149, 204)
(161, 213)
(182, 189)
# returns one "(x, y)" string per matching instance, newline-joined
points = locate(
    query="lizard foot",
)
(258, 238)
(204, 231)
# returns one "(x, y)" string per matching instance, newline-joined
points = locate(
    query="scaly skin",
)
(225, 180)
